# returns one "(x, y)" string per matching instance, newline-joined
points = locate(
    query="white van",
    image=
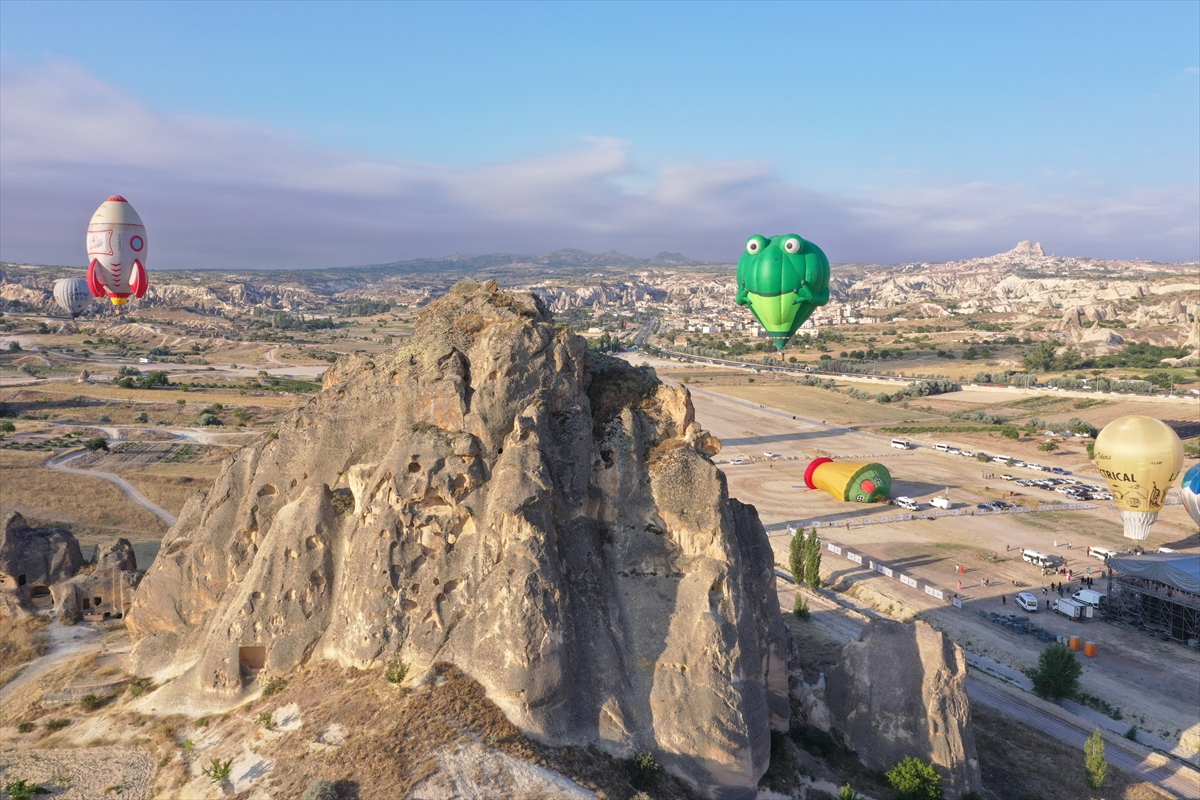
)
(1039, 559)
(940, 502)
(909, 503)
(1101, 553)
(942, 448)
(901, 444)
(1090, 598)
(1027, 601)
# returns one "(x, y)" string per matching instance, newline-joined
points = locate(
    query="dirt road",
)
(59, 464)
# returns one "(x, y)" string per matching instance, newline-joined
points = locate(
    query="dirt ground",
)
(1155, 684)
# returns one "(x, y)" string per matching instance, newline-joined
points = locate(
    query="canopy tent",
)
(1177, 570)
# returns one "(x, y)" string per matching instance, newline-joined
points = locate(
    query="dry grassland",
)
(813, 403)
(21, 641)
(79, 502)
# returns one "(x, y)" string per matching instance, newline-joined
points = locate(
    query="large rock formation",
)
(490, 494)
(901, 690)
(33, 559)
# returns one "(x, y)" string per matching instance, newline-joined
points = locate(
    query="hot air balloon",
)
(1139, 458)
(852, 481)
(72, 295)
(783, 279)
(1190, 489)
(117, 248)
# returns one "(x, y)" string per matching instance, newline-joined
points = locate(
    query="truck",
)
(1072, 609)
(1090, 598)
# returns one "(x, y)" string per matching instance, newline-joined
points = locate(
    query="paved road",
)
(59, 464)
(1173, 777)
(846, 623)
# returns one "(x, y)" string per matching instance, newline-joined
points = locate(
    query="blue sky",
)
(332, 134)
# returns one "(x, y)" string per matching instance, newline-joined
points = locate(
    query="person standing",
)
(1003, 600)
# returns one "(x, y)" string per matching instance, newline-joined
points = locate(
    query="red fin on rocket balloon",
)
(93, 280)
(138, 281)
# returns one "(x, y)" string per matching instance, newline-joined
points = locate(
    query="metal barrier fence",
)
(884, 519)
(883, 569)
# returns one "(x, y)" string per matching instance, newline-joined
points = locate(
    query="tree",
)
(1010, 432)
(796, 558)
(99, 443)
(1070, 359)
(1047, 447)
(1041, 357)
(812, 560)
(1057, 673)
(1093, 761)
(913, 779)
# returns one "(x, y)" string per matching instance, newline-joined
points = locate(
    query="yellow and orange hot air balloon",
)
(1139, 457)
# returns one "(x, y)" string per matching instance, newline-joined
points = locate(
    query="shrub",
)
(7, 427)
(913, 779)
(21, 789)
(56, 724)
(274, 686)
(320, 790)
(181, 402)
(218, 770)
(848, 794)
(1094, 764)
(800, 608)
(201, 722)
(265, 719)
(89, 702)
(210, 419)
(643, 770)
(26, 727)
(141, 416)
(139, 686)
(188, 746)
(97, 444)
(1057, 673)
(982, 457)
(396, 671)
(1047, 447)
(1131, 734)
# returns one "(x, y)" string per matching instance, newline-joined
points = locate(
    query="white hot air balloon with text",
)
(117, 250)
(72, 295)
(1139, 457)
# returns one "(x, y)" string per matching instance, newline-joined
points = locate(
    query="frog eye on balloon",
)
(792, 245)
(755, 245)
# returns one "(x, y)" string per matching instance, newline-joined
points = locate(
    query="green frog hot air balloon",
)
(783, 279)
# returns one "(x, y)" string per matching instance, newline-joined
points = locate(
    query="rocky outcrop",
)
(900, 691)
(493, 495)
(33, 559)
(115, 554)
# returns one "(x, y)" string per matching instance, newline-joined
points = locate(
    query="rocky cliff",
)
(492, 495)
(900, 691)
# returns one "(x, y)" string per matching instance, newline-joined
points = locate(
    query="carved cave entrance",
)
(252, 658)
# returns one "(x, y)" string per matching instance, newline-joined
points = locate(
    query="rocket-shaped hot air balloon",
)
(783, 279)
(117, 248)
(852, 481)
(1139, 457)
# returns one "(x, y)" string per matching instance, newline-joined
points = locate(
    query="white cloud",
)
(220, 192)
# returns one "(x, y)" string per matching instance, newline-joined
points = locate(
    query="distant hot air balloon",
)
(72, 295)
(852, 481)
(1190, 489)
(1139, 458)
(783, 279)
(117, 248)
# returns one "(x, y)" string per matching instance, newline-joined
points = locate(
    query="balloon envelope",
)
(1190, 489)
(72, 295)
(1139, 457)
(782, 279)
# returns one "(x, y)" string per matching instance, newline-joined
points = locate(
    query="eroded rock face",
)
(491, 494)
(901, 690)
(33, 559)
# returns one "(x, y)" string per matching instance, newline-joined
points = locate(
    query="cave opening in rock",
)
(252, 658)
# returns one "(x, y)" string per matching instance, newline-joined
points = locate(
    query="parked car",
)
(1059, 471)
(1007, 477)
(985, 507)
(737, 461)
(769, 454)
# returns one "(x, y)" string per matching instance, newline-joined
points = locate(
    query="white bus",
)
(901, 444)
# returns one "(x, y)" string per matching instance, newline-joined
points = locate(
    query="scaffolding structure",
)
(1159, 608)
